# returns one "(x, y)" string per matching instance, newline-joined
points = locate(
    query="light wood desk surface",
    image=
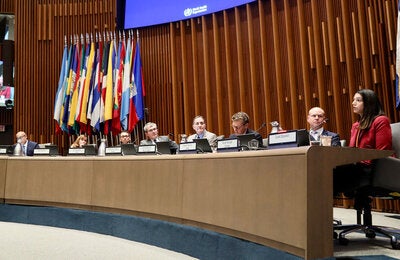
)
(280, 198)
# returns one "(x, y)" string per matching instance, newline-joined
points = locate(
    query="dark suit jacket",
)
(335, 137)
(29, 148)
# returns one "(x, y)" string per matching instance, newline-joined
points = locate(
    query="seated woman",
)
(79, 142)
(371, 131)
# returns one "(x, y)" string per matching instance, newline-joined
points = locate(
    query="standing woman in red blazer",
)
(371, 131)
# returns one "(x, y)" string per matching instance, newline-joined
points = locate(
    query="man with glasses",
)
(26, 145)
(151, 132)
(125, 137)
(240, 125)
(199, 126)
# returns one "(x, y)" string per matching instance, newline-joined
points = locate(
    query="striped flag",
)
(95, 108)
(126, 86)
(116, 122)
(60, 90)
(137, 70)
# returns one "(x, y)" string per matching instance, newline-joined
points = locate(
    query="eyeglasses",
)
(236, 127)
(199, 123)
(152, 130)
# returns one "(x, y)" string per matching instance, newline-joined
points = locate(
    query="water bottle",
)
(102, 148)
(18, 148)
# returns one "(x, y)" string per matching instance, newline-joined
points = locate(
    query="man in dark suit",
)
(151, 132)
(26, 145)
(316, 119)
(240, 125)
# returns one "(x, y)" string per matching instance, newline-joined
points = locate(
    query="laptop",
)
(244, 140)
(203, 146)
(6, 150)
(163, 147)
(128, 149)
(53, 149)
(90, 149)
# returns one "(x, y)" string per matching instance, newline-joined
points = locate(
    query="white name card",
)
(114, 150)
(41, 151)
(287, 137)
(147, 149)
(228, 143)
(191, 146)
(77, 151)
(3, 151)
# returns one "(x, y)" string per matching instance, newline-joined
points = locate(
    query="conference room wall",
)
(273, 59)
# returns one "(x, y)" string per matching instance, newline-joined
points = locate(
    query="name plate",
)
(190, 147)
(282, 138)
(76, 151)
(41, 151)
(146, 149)
(113, 150)
(3, 151)
(228, 145)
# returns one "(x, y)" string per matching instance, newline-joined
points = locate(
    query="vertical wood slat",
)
(277, 44)
(305, 59)
(339, 29)
(228, 61)
(207, 72)
(240, 64)
(334, 63)
(291, 62)
(218, 71)
(372, 31)
(265, 65)
(356, 35)
(325, 44)
(253, 71)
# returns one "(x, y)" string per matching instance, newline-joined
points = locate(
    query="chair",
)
(386, 179)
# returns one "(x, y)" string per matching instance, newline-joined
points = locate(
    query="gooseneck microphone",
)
(262, 126)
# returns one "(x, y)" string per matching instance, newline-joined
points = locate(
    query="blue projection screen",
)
(139, 13)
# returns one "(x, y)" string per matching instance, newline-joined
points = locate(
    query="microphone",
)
(325, 120)
(171, 134)
(262, 126)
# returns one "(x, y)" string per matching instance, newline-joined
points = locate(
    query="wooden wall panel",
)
(271, 58)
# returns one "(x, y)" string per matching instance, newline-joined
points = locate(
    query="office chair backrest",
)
(396, 138)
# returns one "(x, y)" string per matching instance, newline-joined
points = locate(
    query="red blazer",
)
(378, 136)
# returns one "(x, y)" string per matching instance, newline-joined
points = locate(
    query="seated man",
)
(26, 145)
(125, 137)
(316, 119)
(199, 125)
(151, 132)
(240, 125)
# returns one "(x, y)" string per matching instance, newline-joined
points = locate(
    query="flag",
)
(137, 70)
(75, 87)
(70, 82)
(82, 117)
(116, 122)
(398, 59)
(108, 105)
(126, 86)
(95, 108)
(60, 89)
(103, 78)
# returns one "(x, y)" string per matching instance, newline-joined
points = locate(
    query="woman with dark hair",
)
(372, 131)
